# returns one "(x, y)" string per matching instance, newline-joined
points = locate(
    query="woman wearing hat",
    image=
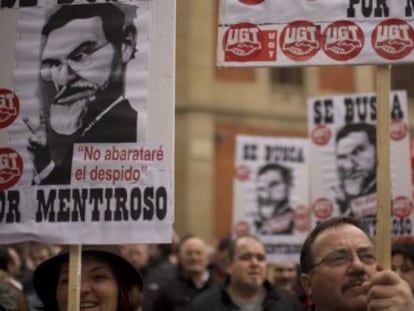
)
(108, 282)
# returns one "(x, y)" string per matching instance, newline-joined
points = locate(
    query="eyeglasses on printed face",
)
(343, 258)
(78, 60)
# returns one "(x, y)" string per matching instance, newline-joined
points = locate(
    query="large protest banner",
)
(270, 192)
(342, 132)
(315, 32)
(83, 157)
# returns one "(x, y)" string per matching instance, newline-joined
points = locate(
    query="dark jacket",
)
(158, 273)
(218, 299)
(119, 125)
(177, 294)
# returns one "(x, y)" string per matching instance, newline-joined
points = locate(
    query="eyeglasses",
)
(342, 258)
(78, 60)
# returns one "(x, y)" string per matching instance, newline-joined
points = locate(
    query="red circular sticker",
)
(399, 130)
(251, 2)
(342, 40)
(299, 40)
(302, 218)
(322, 208)
(401, 207)
(321, 135)
(393, 39)
(242, 173)
(11, 164)
(9, 107)
(242, 42)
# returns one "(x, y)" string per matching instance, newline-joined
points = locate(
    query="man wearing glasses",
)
(83, 64)
(340, 271)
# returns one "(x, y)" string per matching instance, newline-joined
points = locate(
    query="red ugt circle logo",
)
(9, 107)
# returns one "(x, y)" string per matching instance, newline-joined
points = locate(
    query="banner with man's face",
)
(82, 157)
(270, 198)
(342, 132)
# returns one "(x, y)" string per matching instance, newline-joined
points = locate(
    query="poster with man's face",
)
(81, 151)
(271, 193)
(342, 131)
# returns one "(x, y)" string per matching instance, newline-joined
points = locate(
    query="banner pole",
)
(75, 264)
(383, 227)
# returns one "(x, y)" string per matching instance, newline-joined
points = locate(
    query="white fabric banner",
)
(314, 32)
(83, 160)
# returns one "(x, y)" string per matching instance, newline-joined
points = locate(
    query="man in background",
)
(284, 275)
(192, 277)
(402, 261)
(246, 288)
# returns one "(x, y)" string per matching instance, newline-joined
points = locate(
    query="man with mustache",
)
(83, 64)
(356, 163)
(340, 271)
(275, 214)
(246, 287)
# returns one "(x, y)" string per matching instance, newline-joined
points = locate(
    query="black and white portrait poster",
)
(83, 159)
(342, 131)
(271, 192)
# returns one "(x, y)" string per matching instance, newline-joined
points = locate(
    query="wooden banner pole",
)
(75, 263)
(383, 228)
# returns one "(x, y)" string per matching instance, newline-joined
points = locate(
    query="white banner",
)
(342, 131)
(315, 32)
(271, 192)
(83, 160)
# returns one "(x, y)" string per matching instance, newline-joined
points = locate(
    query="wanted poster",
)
(314, 32)
(342, 131)
(271, 192)
(82, 159)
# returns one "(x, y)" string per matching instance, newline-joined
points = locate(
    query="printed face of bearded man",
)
(86, 69)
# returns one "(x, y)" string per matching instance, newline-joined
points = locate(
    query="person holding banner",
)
(275, 214)
(356, 165)
(83, 65)
(340, 271)
(108, 281)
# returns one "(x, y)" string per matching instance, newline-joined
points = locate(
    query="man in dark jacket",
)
(192, 277)
(246, 287)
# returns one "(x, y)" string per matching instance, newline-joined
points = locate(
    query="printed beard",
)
(70, 106)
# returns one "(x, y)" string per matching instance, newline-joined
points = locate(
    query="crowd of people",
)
(338, 270)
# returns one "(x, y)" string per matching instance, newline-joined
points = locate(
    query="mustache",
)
(76, 87)
(354, 280)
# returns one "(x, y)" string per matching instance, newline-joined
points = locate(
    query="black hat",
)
(45, 277)
(405, 248)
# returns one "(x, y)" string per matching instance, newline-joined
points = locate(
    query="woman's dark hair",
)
(306, 254)
(129, 296)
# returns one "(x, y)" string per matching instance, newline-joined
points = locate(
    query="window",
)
(287, 76)
(402, 78)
